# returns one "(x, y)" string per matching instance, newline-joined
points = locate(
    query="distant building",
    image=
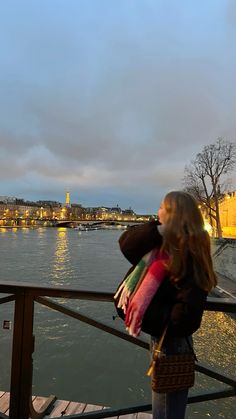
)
(8, 199)
(17, 211)
(77, 211)
(67, 199)
(227, 210)
(48, 203)
(128, 211)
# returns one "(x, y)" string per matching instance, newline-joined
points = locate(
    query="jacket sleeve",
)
(138, 240)
(187, 310)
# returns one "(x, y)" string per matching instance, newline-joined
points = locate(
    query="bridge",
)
(25, 295)
(70, 223)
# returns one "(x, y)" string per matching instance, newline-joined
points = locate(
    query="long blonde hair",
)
(186, 241)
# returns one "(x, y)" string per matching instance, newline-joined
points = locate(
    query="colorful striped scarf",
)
(140, 286)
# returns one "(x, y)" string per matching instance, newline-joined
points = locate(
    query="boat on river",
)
(100, 226)
(86, 227)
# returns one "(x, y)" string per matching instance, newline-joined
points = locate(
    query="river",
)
(75, 361)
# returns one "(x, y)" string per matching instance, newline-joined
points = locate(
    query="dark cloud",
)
(87, 106)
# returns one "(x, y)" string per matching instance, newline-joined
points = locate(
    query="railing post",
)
(21, 367)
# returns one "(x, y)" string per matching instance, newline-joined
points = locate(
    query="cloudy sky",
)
(110, 99)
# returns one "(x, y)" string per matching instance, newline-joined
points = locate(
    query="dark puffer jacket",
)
(181, 306)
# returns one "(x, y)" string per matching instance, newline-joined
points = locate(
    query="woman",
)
(181, 295)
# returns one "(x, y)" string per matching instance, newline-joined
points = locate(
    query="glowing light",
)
(207, 226)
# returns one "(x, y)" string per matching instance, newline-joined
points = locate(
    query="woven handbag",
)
(171, 372)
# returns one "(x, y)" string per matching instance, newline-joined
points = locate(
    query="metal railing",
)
(25, 295)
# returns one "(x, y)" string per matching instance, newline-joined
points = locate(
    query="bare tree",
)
(205, 177)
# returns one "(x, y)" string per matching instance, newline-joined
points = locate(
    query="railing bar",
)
(210, 372)
(7, 299)
(16, 363)
(34, 292)
(70, 293)
(213, 303)
(106, 413)
(198, 398)
(214, 395)
(226, 305)
(91, 322)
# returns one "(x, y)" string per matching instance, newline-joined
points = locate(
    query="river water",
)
(77, 362)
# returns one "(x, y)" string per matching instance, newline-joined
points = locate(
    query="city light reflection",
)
(61, 257)
(217, 333)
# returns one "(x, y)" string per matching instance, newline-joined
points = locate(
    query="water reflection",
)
(61, 262)
(216, 347)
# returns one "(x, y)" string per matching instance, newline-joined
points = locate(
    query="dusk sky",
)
(110, 99)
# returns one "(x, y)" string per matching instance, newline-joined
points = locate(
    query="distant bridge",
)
(70, 223)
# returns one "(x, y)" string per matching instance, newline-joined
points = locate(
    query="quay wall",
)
(224, 257)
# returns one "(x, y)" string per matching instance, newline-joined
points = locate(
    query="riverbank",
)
(224, 260)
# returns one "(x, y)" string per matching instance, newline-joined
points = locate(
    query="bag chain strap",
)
(156, 353)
